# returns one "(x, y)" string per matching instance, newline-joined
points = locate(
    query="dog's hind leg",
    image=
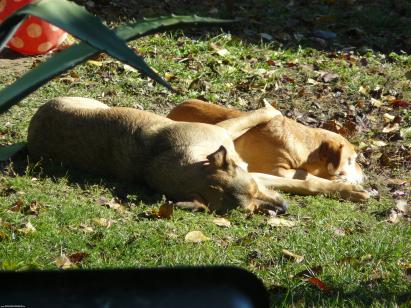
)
(312, 187)
(238, 126)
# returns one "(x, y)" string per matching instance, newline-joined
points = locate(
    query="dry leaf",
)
(3, 236)
(28, 228)
(391, 127)
(312, 81)
(63, 262)
(292, 256)
(220, 51)
(222, 222)
(112, 204)
(364, 90)
(280, 222)
(77, 257)
(95, 63)
(103, 222)
(169, 76)
(86, 228)
(376, 103)
(394, 217)
(378, 143)
(402, 206)
(195, 237)
(400, 103)
(129, 68)
(17, 206)
(166, 210)
(327, 77)
(319, 284)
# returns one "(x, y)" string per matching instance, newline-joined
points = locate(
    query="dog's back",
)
(88, 134)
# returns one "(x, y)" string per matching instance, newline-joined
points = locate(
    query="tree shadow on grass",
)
(380, 25)
(124, 191)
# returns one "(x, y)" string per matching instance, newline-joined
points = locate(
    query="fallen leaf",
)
(312, 81)
(339, 231)
(195, 237)
(3, 236)
(280, 222)
(86, 228)
(394, 217)
(402, 206)
(400, 103)
(327, 77)
(28, 228)
(376, 103)
(103, 222)
(166, 210)
(169, 76)
(390, 128)
(378, 143)
(95, 63)
(318, 283)
(220, 51)
(112, 204)
(129, 68)
(17, 206)
(77, 257)
(222, 222)
(364, 90)
(292, 256)
(63, 262)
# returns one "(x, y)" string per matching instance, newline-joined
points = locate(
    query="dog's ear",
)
(219, 159)
(331, 152)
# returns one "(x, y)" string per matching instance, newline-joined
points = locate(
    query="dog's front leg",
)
(238, 126)
(312, 187)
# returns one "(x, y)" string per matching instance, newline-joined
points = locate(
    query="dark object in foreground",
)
(160, 287)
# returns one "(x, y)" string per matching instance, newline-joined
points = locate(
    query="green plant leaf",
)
(77, 21)
(6, 152)
(68, 58)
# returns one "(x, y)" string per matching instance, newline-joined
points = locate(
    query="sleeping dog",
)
(282, 147)
(194, 164)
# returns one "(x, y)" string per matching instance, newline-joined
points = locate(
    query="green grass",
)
(362, 256)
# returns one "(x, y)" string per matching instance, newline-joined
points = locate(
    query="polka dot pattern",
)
(17, 42)
(34, 36)
(2, 5)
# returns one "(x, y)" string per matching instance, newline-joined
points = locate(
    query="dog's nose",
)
(283, 208)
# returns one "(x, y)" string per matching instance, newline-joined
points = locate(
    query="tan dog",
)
(193, 163)
(285, 148)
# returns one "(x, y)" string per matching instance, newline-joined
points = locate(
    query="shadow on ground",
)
(124, 192)
(380, 25)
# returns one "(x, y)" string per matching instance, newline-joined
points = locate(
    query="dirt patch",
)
(15, 65)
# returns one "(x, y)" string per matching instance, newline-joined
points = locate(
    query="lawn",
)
(357, 83)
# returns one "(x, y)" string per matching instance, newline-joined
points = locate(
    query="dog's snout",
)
(279, 206)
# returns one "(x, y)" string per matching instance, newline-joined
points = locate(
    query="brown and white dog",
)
(282, 147)
(195, 164)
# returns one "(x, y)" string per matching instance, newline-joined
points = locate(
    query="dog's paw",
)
(356, 194)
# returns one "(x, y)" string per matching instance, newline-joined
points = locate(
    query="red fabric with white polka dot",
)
(34, 36)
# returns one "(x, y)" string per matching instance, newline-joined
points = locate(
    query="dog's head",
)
(340, 158)
(230, 186)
